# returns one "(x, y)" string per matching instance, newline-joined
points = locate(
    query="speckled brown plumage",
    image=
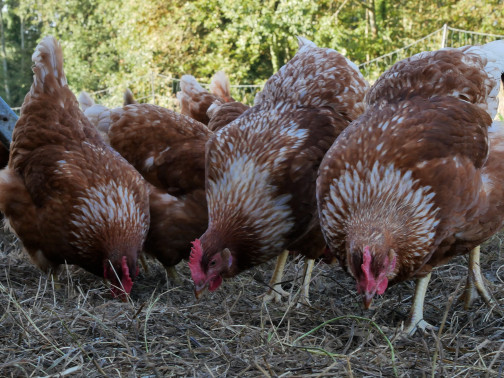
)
(417, 176)
(168, 149)
(223, 114)
(175, 222)
(261, 168)
(66, 194)
(195, 100)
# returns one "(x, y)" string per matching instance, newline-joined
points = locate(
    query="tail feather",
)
(221, 87)
(189, 85)
(302, 41)
(85, 101)
(493, 55)
(128, 98)
(315, 77)
(194, 99)
(48, 67)
(190, 90)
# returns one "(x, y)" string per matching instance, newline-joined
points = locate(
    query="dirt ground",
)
(77, 329)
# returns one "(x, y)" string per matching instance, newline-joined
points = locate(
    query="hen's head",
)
(208, 269)
(372, 272)
(120, 272)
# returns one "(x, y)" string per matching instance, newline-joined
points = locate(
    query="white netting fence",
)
(443, 37)
(161, 90)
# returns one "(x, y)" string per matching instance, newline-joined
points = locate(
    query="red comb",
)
(197, 273)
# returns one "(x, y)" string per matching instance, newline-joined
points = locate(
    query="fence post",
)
(445, 36)
(153, 88)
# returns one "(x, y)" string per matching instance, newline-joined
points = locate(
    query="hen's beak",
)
(119, 293)
(199, 290)
(367, 299)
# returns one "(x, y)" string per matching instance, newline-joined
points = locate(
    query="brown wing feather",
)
(447, 72)
(194, 99)
(167, 148)
(223, 114)
(175, 222)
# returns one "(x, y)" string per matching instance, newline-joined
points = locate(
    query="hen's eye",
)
(212, 263)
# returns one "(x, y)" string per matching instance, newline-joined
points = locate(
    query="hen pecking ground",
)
(78, 330)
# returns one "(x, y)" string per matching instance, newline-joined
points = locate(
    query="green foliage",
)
(109, 43)
(21, 33)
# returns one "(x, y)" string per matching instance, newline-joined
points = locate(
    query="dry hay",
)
(79, 330)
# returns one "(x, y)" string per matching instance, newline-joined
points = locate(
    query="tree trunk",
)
(371, 18)
(366, 28)
(273, 53)
(22, 30)
(4, 56)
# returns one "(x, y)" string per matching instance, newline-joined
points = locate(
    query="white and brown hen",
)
(418, 178)
(168, 149)
(68, 196)
(261, 168)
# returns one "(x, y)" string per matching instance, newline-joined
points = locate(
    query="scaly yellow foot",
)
(275, 293)
(416, 320)
(304, 296)
(474, 284)
(56, 283)
(173, 274)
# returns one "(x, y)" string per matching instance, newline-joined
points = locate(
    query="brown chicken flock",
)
(391, 180)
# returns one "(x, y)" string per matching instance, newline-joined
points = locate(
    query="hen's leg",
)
(416, 320)
(46, 266)
(173, 275)
(474, 283)
(275, 293)
(143, 261)
(54, 279)
(305, 289)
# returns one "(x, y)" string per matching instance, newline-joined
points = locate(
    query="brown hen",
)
(168, 149)
(68, 196)
(261, 168)
(222, 114)
(418, 178)
(196, 100)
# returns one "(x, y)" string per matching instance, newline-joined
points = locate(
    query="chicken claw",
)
(416, 320)
(475, 284)
(275, 293)
(304, 296)
(173, 275)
